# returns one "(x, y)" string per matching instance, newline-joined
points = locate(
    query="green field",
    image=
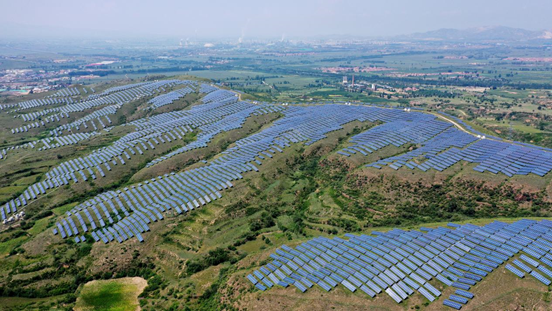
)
(116, 295)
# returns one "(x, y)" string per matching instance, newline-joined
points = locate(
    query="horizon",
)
(110, 38)
(244, 20)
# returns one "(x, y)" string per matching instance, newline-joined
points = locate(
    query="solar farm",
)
(441, 146)
(399, 262)
(402, 263)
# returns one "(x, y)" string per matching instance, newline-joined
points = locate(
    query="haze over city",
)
(254, 19)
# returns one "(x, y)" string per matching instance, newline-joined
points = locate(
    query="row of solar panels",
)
(206, 88)
(71, 139)
(4, 152)
(217, 96)
(70, 91)
(94, 116)
(169, 98)
(42, 102)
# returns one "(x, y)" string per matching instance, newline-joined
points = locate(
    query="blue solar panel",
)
(522, 266)
(539, 277)
(393, 295)
(459, 299)
(529, 260)
(452, 304)
(426, 294)
(464, 293)
(252, 279)
(545, 270)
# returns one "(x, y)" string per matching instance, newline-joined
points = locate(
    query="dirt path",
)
(453, 122)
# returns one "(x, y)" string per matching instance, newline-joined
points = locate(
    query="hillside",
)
(191, 187)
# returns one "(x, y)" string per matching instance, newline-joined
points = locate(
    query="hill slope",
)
(215, 219)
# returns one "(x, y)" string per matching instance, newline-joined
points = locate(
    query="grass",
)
(20, 303)
(62, 209)
(8, 246)
(7, 192)
(117, 295)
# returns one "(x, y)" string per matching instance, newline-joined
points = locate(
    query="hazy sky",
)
(260, 18)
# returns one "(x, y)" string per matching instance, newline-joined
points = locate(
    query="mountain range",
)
(489, 33)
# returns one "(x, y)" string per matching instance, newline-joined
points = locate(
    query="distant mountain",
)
(492, 33)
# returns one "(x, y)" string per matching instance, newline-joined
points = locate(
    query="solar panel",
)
(464, 293)
(452, 304)
(458, 299)
(539, 277)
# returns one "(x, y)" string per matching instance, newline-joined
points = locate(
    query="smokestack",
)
(353, 82)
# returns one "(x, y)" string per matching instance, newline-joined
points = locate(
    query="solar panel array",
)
(4, 151)
(7, 106)
(168, 98)
(401, 263)
(70, 91)
(137, 206)
(206, 88)
(210, 119)
(397, 133)
(114, 97)
(71, 139)
(219, 96)
(89, 166)
(229, 122)
(440, 145)
(33, 103)
(126, 213)
(198, 186)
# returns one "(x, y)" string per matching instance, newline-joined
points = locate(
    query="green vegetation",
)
(213, 258)
(198, 261)
(119, 295)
